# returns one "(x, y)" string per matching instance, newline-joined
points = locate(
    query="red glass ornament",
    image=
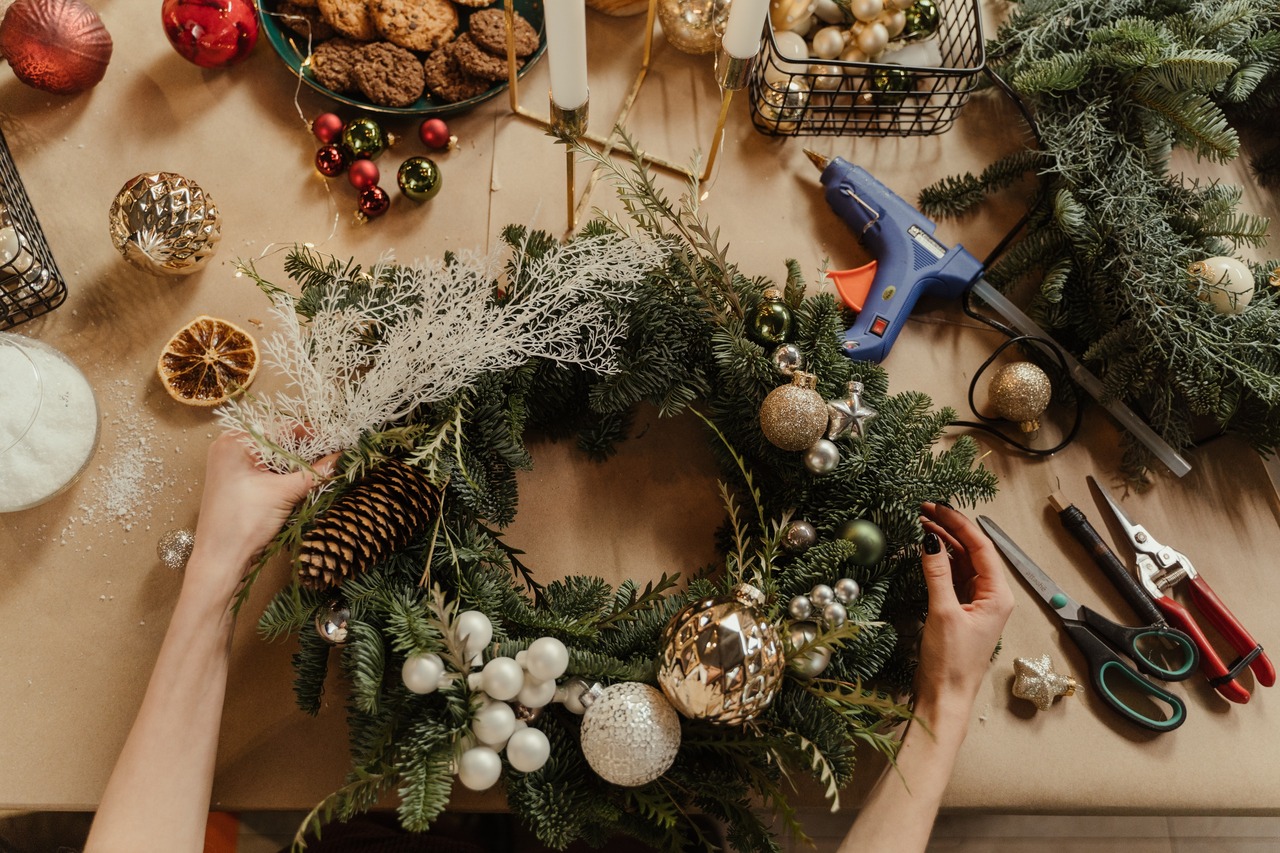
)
(211, 33)
(374, 202)
(434, 133)
(327, 127)
(330, 161)
(58, 46)
(363, 174)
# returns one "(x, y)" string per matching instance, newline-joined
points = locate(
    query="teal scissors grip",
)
(1105, 667)
(1130, 642)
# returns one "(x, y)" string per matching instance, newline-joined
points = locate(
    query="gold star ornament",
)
(1035, 681)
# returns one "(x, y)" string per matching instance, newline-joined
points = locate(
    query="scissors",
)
(1098, 637)
(1161, 568)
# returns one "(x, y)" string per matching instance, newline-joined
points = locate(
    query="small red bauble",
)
(58, 46)
(330, 161)
(434, 133)
(374, 202)
(327, 127)
(211, 33)
(363, 174)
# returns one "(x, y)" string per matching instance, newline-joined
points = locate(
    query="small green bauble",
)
(419, 178)
(922, 20)
(890, 85)
(869, 539)
(771, 324)
(364, 139)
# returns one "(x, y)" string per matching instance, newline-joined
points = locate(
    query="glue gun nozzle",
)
(817, 159)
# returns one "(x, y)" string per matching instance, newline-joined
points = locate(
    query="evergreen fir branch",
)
(290, 611)
(425, 786)
(310, 666)
(1197, 70)
(629, 603)
(821, 768)
(358, 794)
(1199, 122)
(363, 661)
(1054, 74)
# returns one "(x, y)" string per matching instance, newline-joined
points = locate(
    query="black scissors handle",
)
(1105, 667)
(1134, 644)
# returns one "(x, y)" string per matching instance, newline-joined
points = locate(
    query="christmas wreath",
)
(429, 378)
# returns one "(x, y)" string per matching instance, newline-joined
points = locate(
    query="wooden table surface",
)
(86, 601)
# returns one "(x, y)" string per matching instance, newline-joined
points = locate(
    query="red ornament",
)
(330, 161)
(363, 174)
(327, 127)
(58, 46)
(374, 201)
(211, 33)
(434, 134)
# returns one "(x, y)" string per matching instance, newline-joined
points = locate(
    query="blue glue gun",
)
(909, 261)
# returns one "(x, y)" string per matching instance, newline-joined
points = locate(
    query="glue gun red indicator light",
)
(909, 260)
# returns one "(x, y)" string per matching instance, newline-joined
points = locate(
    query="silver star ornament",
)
(1035, 681)
(850, 416)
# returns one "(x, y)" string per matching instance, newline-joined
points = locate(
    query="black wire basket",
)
(791, 98)
(30, 284)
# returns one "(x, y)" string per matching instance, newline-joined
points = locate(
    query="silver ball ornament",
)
(798, 536)
(421, 672)
(783, 105)
(788, 359)
(528, 750)
(174, 548)
(800, 607)
(847, 590)
(479, 768)
(834, 614)
(810, 664)
(546, 659)
(822, 457)
(494, 723)
(822, 595)
(331, 622)
(630, 734)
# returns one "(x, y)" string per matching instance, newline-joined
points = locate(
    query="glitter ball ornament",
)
(330, 161)
(807, 664)
(56, 46)
(419, 178)
(331, 622)
(868, 537)
(771, 322)
(794, 416)
(630, 734)
(822, 457)
(1225, 283)
(211, 33)
(374, 202)
(363, 138)
(327, 127)
(849, 417)
(890, 86)
(1035, 681)
(798, 536)
(1020, 392)
(174, 548)
(788, 359)
(164, 224)
(434, 134)
(363, 174)
(691, 25)
(719, 660)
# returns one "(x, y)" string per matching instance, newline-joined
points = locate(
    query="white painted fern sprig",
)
(375, 346)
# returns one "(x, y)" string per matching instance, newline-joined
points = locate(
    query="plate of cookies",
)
(403, 57)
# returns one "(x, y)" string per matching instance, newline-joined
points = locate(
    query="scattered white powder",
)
(60, 440)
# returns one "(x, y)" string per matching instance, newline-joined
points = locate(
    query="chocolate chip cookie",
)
(421, 25)
(333, 64)
(477, 62)
(349, 17)
(305, 21)
(389, 75)
(488, 29)
(448, 83)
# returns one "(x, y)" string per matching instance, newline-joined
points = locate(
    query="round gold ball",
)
(690, 25)
(1020, 393)
(794, 416)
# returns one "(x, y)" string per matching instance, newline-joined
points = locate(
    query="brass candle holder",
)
(570, 125)
(732, 73)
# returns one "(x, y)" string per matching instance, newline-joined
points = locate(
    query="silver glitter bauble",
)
(164, 224)
(174, 548)
(692, 26)
(798, 536)
(822, 457)
(811, 663)
(834, 614)
(1035, 681)
(719, 659)
(1020, 392)
(630, 734)
(788, 359)
(331, 622)
(847, 590)
(794, 416)
(800, 607)
(821, 595)
(783, 107)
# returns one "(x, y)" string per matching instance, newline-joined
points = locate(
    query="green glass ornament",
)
(771, 324)
(922, 20)
(869, 539)
(419, 178)
(363, 138)
(890, 85)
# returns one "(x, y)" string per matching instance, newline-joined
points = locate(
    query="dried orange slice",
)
(208, 361)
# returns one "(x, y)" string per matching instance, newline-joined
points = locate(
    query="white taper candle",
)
(567, 51)
(742, 33)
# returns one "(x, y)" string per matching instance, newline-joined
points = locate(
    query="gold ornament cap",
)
(771, 293)
(1020, 393)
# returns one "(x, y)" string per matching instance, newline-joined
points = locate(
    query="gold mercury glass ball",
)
(794, 416)
(164, 224)
(691, 25)
(719, 660)
(1020, 393)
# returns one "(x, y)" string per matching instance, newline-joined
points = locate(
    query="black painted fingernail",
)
(944, 503)
(932, 544)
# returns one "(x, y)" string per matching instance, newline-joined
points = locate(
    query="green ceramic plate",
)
(292, 48)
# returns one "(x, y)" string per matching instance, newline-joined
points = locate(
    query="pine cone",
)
(375, 518)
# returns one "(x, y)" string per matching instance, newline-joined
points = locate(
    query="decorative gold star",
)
(849, 416)
(1035, 680)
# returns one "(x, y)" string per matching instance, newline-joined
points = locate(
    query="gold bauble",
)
(164, 224)
(794, 416)
(1020, 392)
(719, 660)
(691, 25)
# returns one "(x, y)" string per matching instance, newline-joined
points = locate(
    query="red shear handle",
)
(1210, 664)
(1231, 629)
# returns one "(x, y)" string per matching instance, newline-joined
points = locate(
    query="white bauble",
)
(829, 12)
(546, 659)
(570, 694)
(829, 42)
(866, 10)
(479, 768)
(1227, 283)
(528, 750)
(474, 629)
(535, 693)
(630, 734)
(421, 673)
(791, 46)
(873, 39)
(494, 723)
(502, 678)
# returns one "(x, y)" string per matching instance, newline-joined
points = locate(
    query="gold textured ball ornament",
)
(164, 224)
(719, 660)
(692, 26)
(794, 416)
(1020, 393)
(1225, 283)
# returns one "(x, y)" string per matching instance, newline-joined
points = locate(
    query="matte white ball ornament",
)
(494, 723)
(1227, 283)
(535, 693)
(502, 678)
(546, 659)
(421, 672)
(475, 630)
(479, 768)
(791, 45)
(528, 750)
